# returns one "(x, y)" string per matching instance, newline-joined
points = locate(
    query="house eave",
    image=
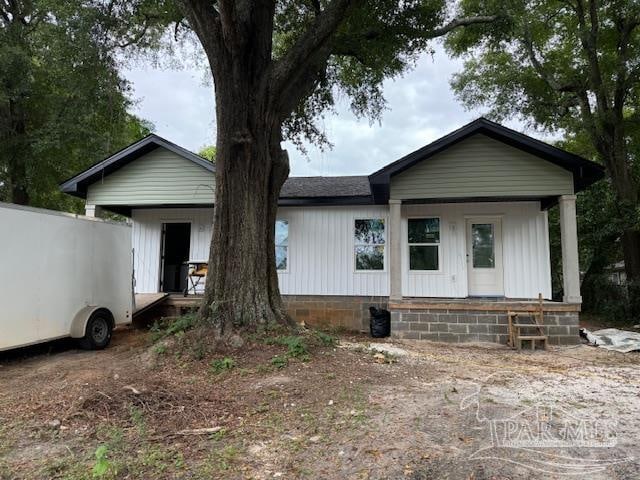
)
(585, 172)
(77, 185)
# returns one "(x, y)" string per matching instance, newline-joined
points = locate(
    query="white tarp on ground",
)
(614, 339)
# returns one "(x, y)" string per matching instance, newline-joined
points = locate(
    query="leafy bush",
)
(609, 301)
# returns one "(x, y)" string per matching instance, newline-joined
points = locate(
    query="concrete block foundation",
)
(466, 322)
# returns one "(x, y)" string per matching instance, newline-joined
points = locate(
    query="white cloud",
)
(421, 108)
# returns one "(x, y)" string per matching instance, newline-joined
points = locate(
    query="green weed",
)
(102, 464)
(279, 361)
(222, 365)
(167, 327)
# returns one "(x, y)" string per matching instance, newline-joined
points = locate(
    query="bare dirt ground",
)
(425, 412)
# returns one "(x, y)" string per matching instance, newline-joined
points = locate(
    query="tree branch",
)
(588, 40)
(311, 45)
(461, 22)
(204, 19)
(540, 70)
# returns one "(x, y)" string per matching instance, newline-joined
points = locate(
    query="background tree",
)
(277, 65)
(63, 104)
(208, 152)
(571, 65)
(599, 230)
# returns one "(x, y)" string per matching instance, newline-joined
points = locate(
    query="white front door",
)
(484, 257)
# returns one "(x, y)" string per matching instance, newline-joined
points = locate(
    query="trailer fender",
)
(79, 323)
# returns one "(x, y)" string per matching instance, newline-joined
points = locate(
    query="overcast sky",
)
(421, 108)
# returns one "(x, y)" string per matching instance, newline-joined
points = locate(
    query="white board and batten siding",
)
(321, 258)
(322, 252)
(525, 246)
(147, 239)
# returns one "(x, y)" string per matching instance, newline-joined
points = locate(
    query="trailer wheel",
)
(98, 331)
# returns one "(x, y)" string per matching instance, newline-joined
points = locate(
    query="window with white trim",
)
(282, 245)
(369, 235)
(424, 244)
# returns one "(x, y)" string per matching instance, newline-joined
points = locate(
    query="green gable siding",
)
(481, 167)
(158, 178)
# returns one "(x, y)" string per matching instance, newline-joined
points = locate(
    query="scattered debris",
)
(613, 339)
(132, 389)
(389, 349)
(54, 423)
(380, 358)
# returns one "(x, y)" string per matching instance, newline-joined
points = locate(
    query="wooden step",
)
(532, 337)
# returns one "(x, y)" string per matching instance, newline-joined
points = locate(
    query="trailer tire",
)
(98, 331)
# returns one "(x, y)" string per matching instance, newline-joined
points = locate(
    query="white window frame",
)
(439, 245)
(356, 244)
(285, 220)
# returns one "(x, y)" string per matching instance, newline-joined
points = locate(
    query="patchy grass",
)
(340, 413)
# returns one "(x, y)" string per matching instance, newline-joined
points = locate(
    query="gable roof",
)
(78, 184)
(585, 172)
(372, 189)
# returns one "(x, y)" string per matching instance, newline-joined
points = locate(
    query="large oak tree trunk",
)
(242, 285)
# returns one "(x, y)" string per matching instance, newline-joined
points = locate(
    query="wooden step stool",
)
(536, 323)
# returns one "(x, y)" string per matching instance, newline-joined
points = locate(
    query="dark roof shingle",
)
(313, 187)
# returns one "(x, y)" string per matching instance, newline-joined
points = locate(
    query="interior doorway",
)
(174, 253)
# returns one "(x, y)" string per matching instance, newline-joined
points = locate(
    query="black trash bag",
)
(380, 322)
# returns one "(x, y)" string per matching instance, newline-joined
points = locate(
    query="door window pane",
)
(423, 257)
(482, 237)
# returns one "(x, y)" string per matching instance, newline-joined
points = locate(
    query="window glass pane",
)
(483, 245)
(423, 257)
(370, 232)
(282, 232)
(370, 258)
(281, 258)
(424, 230)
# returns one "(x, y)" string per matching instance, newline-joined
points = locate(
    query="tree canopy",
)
(571, 65)
(63, 103)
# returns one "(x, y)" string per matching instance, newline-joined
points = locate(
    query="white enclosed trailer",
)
(62, 275)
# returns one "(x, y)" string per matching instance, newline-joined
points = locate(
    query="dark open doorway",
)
(176, 238)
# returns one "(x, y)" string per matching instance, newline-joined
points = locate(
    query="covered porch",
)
(487, 258)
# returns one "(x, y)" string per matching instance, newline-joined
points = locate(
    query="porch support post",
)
(569, 242)
(92, 210)
(395, 250)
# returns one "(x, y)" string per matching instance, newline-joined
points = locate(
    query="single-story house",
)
(449, 237)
